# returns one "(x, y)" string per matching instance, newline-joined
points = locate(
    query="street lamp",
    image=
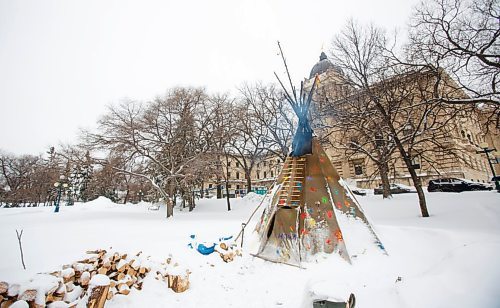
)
(486, 150)
(59, 185)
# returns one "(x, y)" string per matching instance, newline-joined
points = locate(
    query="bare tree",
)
(161, 135)
(248, 144)
(353, 125)
(461, 37)
(271, 111)
(402, 97)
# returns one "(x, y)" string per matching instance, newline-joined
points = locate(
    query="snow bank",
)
(446, 260)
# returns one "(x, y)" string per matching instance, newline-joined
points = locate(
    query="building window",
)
(463, 134)
(415, 161)
(258, 178)
(210, 185)
(407, 130)
(470, 139)
(229, 164)
(237, 186)
(379, 140)
(237, 175)
(272, 174)
(228, 185)
(265, 174)
(358, 169)
(354, 143)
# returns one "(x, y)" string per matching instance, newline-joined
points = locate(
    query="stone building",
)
(465, 136)
(262, 176)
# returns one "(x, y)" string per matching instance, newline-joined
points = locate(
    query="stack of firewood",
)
(97, 278)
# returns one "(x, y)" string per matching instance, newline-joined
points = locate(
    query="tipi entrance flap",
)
(282, 243)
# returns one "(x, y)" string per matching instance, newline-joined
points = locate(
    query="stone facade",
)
(465, 136)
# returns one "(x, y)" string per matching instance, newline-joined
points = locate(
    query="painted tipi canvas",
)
(310, 206)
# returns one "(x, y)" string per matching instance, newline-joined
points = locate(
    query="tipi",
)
(301, 219)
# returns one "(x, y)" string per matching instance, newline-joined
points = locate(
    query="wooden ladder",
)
(293, 182)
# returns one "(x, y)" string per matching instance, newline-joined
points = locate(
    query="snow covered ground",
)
(450, 259)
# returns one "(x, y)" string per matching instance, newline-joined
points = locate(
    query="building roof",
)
(324, 65)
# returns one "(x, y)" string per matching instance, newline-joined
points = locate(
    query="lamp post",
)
(486, 150)
(59, 185)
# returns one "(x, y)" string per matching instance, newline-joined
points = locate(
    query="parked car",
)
(455, 185)
(395, 189)
(359, 191)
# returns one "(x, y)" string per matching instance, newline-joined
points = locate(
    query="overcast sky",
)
(62, 62)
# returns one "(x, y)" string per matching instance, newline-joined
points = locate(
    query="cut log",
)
(28, 295)
(135, 264)
(7, 303)
(98, 289)
(122, 265)
(4, 287)
(85, 278)
(131, 271)
(70, 286)
(13, 290)
(98, 296)
(74, 294)
(58, 304)
(68, 274)
(106, 263)
(138, 286)
(227, 257)
(54, 297)
(123, 289)
(178, 283)
(110, 295)
(21, 304)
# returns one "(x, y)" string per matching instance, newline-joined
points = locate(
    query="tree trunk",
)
(202, 191)
(249, 182)
(219, 189)
(170, 207)
(227, 184)
(418, 186)
(126, 196)
(192, 203)
(416, 180)
(227, 197)
(384, 176)
(407, 160)
(170, 204)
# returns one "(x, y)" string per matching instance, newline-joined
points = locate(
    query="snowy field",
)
(448, 260)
